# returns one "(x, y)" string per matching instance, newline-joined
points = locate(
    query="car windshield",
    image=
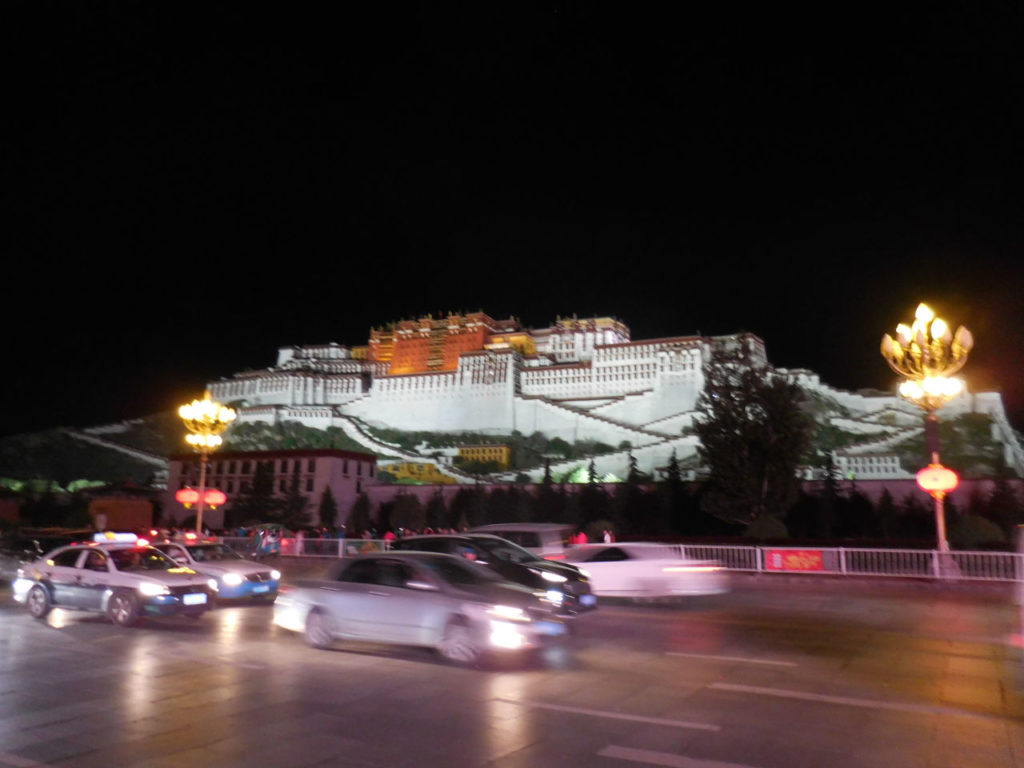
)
(141, 559)
(205, 553)
(506, 550)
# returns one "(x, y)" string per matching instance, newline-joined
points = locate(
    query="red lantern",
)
(214, 497)
(187, 496)
(937, 479)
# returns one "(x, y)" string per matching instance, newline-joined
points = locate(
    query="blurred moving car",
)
(642, 570)
(547, 540)
(238, 578)
(566, 585)
(421, 599)
(114, 576)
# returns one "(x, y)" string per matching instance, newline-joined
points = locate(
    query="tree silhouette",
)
(327, 511)
(753, 435)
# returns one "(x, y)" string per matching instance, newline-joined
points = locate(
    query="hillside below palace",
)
(578, 379)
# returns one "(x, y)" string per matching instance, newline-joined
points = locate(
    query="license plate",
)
(194, 599)
(261, 588)
(551, 628)
(588, 600)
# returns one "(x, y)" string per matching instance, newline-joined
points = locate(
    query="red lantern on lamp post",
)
(214, 497)
(937, 481)
(187, 496)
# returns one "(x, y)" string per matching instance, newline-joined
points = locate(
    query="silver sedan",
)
(419, 599)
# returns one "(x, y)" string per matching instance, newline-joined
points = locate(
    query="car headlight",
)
(584, 573)
(505, 634)
(508, 613)
(275, 575)
(556, 578)
(231, 579)
(212, 584)
(555, 596)
(152, 590)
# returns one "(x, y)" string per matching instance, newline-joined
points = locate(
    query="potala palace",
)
(579, 379)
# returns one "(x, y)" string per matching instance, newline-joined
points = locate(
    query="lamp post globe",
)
(205, 421)
(927, 354)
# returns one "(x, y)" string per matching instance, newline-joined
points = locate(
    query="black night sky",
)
(187, 187)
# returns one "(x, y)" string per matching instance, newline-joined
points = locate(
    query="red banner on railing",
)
(794, 560)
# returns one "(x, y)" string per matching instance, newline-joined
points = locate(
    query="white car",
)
(119, 578)
(237, 577)
(547, 540)
(642, 570)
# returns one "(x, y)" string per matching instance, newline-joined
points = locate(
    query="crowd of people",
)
(265, 540)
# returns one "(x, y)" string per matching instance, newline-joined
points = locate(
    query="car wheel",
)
(123, 609)
(318, 630)
(38, 602)
(458, 645)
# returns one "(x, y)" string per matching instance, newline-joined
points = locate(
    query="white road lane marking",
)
(821, 698)
(613, 715)
(663, 758)
(741, 659)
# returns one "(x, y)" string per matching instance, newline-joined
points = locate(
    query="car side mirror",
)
(181, 560)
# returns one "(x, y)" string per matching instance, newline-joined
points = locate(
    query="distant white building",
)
(579, 379)
(346, 473)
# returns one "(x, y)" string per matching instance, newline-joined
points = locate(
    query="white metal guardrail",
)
(852, 561)
(835, 561)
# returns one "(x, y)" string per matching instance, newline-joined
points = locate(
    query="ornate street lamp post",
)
(205, 421)
(927, 355)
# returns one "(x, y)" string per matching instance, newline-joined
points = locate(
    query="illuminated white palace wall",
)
(580, 385)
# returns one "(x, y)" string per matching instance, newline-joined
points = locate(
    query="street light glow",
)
(205, 420)
(927, 355)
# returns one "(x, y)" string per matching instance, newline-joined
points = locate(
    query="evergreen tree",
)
(1003, 507)
(830, 504)
(633, 473)
(327, 511)
(462, 511)
(804, 519)
(408, 513)
(859, 516)
(548, 504)
(753, 436)
(885, 512)
(436, 511)
(358, 517)
(916, 519)
(294, 506)
(672, 473)
(257, 502)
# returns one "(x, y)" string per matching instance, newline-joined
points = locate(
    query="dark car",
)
(566, 584)
(20, 548)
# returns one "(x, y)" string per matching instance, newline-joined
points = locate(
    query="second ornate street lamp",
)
(205, 421)
(927, 355)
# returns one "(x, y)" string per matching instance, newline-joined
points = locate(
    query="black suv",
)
(565, 584)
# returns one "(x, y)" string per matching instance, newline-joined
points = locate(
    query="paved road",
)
(780, 673)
